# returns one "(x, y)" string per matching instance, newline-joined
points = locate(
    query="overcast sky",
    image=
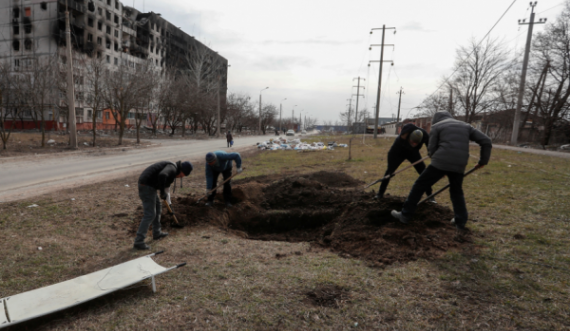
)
(309, 51)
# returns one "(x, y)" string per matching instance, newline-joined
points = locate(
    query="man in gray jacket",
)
(449, 151)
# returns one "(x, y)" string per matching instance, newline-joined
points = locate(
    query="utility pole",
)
(70, 84)
(358, 87)
(349, 113)
(280, 109)
(260, 132)
(451, 101)
(516, 124)
(380, 77)
(399, 103)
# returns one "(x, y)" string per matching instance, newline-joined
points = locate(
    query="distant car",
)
(290, 133)
(304, 132)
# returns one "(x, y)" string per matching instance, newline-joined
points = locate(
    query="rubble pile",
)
(296, 144)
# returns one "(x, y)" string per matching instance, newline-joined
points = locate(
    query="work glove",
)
(239, 170)
(163, 195)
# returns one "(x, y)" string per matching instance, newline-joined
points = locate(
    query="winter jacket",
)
(160, 175)
(223, 162)
(449, 143)
(401, 144)
(229, 137)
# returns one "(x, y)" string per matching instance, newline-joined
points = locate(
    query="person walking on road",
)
(220, 162)
(229, 138)
(406, 147)
(158, 176)
(449, 151)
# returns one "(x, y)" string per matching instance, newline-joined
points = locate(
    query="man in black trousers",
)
(406, 147)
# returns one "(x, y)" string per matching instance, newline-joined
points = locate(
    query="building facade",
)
(105, 29)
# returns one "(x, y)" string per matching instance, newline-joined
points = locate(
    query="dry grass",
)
(232, 283)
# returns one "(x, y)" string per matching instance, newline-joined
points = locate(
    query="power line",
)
(476, 47)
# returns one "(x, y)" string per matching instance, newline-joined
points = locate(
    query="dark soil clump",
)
(328, 296)
(301, 208)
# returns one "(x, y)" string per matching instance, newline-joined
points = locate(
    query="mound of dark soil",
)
(302, 208)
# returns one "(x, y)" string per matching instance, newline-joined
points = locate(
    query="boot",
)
(160, 236)
(398, 215)
(141, 247)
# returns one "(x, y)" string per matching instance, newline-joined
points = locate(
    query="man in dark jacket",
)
(449, 151)
(158, 176)
(217, 163)
(229, 138)
(406, 147)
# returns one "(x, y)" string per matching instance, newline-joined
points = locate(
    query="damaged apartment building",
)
(106, 29)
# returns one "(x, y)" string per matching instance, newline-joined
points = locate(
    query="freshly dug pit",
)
(329, 210)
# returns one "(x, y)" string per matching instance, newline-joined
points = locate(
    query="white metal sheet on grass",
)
(32, 304)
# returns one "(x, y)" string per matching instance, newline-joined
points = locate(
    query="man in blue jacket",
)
(406, 147)
(449, 151)
(220, 162)
(157, 177)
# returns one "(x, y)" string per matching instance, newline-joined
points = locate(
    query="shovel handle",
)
(397, 172)
(215, 188)
(445, 187)
(170, 211)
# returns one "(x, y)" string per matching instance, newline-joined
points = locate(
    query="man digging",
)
(449, 151)
(220, 162)
(406, 147)
(158, 176)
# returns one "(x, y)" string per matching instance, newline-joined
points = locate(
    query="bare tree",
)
(478, 68)
(8, 106)
(268, 114)
(95, 79)
(552, 52)
(125, 87)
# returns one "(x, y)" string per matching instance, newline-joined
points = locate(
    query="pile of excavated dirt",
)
(329, 210)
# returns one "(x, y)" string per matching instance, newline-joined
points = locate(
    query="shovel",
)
(215, 188)
(397, 172)
(445, 187)
(176, 225)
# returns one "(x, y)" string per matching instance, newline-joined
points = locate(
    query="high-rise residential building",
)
(106, 29)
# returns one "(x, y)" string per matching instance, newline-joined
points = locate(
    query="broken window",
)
(90, 21)
(91, 6)
(99, 41)
(16, 46)
(28, 11)
(98, 55)
(99, 26)
(116, 19)
(109, 2)
(108, 59)
(28, 44)
(116, 61)
(116, 4)
(16, 12)
(151, 48)
(43, 5)
(100, 11)
(108, 43)
(117, 33)
(89, 37)
(108, 14)
(116, 47)
(16, 29)
(108, 29)
(27, 25)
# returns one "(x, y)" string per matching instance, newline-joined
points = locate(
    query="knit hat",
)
(416, 136)
(186, 168)
(210, 157)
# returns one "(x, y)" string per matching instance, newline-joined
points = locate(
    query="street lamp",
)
(293, 116)
(280, 108)
(260, 107)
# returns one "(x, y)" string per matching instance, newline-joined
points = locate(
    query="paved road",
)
(34, 175)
